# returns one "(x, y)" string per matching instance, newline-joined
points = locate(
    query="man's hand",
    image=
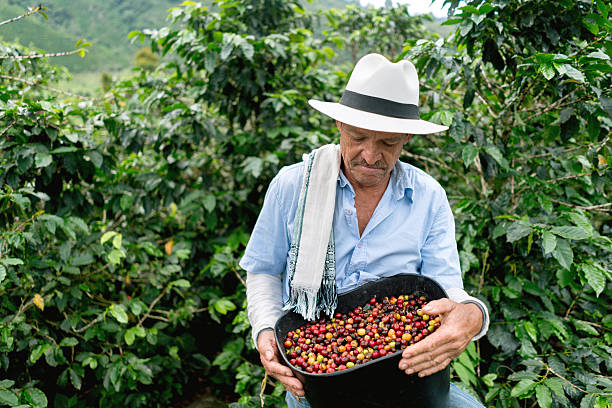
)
(459, 324)
(268, 353)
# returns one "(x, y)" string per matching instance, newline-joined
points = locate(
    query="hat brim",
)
(373, 121)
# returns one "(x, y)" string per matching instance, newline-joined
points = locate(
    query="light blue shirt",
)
(412, 230)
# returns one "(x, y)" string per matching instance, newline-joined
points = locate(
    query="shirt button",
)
(359, 245)
(348, 212)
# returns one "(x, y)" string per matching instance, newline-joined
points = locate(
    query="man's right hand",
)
(268, 353)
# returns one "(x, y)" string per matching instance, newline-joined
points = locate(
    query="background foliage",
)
(122, 218)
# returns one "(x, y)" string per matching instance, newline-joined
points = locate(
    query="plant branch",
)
(34, 83)
(599, 207)
(7, 128)
(483, 182)
(29, 12)
(553, 106)
(88, 325)
(548, 368)
(569, 149)
(446, 166)
(573, 176)
(431, 88)
(157, 299)
(239, 277)
(36, 56)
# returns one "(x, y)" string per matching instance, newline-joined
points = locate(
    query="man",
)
(388, 217)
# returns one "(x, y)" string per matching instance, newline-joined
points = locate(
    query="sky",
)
(414, 6)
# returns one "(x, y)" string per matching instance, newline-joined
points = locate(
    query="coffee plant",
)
(123, 217)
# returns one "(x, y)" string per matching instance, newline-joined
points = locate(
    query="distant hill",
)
(105, 24)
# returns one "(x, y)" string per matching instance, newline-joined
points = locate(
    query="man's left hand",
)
(460, 322)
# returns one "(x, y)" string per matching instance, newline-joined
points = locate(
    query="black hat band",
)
(379, 106)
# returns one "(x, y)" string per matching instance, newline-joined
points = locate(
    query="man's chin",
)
(370, 178)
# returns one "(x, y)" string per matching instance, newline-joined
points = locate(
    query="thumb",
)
(268, 353)
(438, 307)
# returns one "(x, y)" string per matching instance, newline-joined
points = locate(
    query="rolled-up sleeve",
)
(267, 249)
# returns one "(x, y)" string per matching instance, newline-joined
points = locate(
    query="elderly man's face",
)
(369, 156)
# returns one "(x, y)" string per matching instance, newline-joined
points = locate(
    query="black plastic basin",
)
(377, 383)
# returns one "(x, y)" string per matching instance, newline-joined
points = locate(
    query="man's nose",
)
(370, 153)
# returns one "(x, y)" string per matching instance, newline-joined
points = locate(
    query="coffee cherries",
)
(364, 334)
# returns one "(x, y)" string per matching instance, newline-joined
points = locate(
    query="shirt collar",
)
(401, 180)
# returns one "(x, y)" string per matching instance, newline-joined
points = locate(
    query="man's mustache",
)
(377, 165)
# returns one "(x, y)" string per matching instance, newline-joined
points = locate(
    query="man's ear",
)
(408, 137)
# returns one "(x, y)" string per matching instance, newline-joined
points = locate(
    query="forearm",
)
(264, 301)
(460, 296)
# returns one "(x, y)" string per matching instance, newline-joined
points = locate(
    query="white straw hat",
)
(381, 96)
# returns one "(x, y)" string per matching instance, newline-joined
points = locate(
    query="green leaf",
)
(585, 327)
(43, 159)
(485, 8)
(489, 379)
(494, 152)
(253, 165)
(452, 21)
(95, 157)
(543, 396)
(517, 231)
(181, 283)
(548, 71)
(35, 397)
(563, 253)
(531, 330)
(469, 154)
(37, 352)
(129, 336)
(247, 50)
(523, 387)
(602, 8)
(117, 241)
(465, 374)
(556, 385)
(224, 305)
(2, 273)
(7, 383)
(11, 261)
(599, 54)
(595, 278)
(126, 201)
(581, 221)
(465, 27)
(210, 201)
(569, 232)
(549, 242)
(588, 401)
(115, 256)
(573, 73)
(469, 9)
(106, 236)
(75, 379)
(564, 277)
(8, 397)
(118, 312)
(69, 342)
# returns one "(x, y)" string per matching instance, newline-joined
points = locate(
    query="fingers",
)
(435, 340)
(432, 354)
(439, 306)
(285, 376)
(276, 369)
(424, 370)
(268, 353)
